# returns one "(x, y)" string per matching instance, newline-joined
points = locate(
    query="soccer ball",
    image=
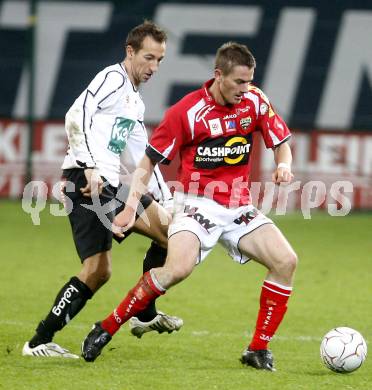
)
(343, 350)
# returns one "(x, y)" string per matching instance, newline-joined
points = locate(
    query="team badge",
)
(215, 126)
(245, 122)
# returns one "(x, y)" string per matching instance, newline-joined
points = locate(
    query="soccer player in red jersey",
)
(211, 128)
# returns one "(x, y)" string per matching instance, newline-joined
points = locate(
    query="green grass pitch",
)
(218, 303)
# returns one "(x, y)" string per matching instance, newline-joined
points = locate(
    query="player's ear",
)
(129, 51)
(217, 74)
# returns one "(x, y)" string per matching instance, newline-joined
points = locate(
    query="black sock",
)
(155, 257)
(70, 300)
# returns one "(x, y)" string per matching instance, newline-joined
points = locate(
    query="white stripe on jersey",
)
(191, 113)
(254, 98)
(275, 139)
(169, 149)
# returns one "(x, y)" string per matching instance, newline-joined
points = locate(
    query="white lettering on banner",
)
(57, 310)
(55, 21)
(338, 153)
(13, 141)
(285, 64)
(351, 60)
(224, 20)
(327, 167)
(54, 144)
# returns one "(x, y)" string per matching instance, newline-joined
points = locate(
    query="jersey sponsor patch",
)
(119, 134)
(230, 126)
(223, 151)
(215, 126)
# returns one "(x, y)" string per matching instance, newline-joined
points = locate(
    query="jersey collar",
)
(205, 91)
(210, 100)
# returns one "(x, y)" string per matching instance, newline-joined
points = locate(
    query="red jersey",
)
(215, 142)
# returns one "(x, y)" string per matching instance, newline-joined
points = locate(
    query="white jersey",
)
(100, 123)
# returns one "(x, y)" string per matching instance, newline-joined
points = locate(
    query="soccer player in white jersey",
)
(99, 126)
(212, 130)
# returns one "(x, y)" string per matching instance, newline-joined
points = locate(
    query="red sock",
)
(146, 290)
(273, 305)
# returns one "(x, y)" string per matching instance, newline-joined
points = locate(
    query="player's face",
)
(234, 84)
(145, 62)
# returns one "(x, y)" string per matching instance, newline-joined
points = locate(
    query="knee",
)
(104, 275)
(96, 271)
(178, 272)
(289, 262)
(286, 264)
(97, 278)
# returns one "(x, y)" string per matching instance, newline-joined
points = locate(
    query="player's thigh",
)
(91, 233)
(183, 253)
(268, 246)
(153, 223)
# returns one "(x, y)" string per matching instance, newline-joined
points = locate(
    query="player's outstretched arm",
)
(283, 160)
(141, 176)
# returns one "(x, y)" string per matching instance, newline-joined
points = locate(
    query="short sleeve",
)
(104, 86)
(272, 127)
(167, 138)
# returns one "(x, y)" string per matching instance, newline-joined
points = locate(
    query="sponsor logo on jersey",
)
(230, 126)
(245, 122)
(215, 126)
(230, 116)
(202, 113)
(242, 110)
(223, 151)
(119, 134)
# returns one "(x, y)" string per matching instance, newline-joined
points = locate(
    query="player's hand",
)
(282, 174)
(123, 221)
(94, 183)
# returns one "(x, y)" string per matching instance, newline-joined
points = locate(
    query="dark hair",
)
(139, 33)
(231, 54)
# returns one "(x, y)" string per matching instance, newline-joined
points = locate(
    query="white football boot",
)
(47, 350)
(161, 323)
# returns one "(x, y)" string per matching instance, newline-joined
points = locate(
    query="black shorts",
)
(91, 235)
